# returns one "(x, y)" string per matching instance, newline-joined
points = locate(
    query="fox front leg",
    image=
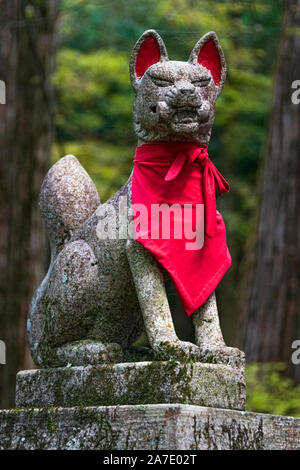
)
(151, 292)
(209, 336)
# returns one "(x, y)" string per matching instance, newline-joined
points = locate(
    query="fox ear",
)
(149, 49)
(208, 53)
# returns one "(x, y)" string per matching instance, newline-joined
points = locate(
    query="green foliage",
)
(94, 95)
(270, 391)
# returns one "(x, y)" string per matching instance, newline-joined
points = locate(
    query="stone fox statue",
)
(100, 295)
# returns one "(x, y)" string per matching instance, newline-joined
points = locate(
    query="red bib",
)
(188, 242)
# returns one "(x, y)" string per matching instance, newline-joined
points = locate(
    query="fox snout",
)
(183, 94)
(182, 104)
(185, 89)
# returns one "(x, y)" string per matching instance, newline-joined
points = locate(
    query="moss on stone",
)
(146, 427)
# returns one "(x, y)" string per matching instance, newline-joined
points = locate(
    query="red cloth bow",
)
(181, 173)
(211, 175)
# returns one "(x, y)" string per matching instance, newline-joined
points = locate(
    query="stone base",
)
(213, 385)
(146, 427)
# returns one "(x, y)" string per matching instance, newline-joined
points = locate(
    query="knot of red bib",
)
(211, 177)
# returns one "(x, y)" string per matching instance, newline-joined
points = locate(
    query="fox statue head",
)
(175, 101)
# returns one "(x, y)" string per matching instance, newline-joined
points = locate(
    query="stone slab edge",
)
(146, 427)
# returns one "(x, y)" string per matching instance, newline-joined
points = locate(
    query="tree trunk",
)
(27, 46)
(272, 306)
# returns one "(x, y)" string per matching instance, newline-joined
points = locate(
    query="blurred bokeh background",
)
(65, 66)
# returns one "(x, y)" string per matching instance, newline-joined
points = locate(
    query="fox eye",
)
(161, 81)
(201, 82)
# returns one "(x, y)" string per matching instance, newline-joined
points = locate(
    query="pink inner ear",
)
(209, 57)
(148, 54)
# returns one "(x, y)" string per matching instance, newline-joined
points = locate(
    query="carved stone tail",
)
(68, 197)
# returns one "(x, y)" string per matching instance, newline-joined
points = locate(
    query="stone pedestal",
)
(213, 385)
(140, 406)
(146, 427)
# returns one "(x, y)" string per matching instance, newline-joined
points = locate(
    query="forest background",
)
(82, 86)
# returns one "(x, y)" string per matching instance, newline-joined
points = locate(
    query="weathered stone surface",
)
(146, 427)
(212, 385)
